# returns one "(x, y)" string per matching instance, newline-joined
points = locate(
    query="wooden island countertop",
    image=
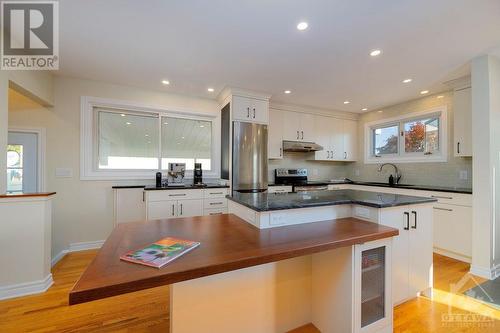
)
(227, 243)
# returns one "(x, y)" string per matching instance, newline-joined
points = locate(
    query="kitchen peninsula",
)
(334, 273)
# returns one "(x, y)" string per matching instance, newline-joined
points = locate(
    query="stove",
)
(298, 179)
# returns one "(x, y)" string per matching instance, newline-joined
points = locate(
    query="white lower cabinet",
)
(188, 203)
(129, 205)
(453, 230)
(412, 249)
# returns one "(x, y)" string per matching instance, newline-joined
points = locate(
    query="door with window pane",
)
(22, 162)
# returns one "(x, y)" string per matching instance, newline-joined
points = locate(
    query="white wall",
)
(83, 210)
(4, 103)
(486, 163)
(37, 85)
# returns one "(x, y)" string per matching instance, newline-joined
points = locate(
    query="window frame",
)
(89, 138)
(402, 156)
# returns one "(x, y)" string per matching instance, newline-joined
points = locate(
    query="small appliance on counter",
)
(176, 172)
(158, 180)
(197, 175)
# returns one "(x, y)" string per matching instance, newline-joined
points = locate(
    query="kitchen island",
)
(335, 273)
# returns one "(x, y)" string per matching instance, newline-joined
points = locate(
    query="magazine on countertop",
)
(161, 252)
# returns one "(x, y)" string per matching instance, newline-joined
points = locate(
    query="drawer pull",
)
(216, 193)
(216, 203)
(441, 197)
(177, 195)
(445, 209)
(219, 213)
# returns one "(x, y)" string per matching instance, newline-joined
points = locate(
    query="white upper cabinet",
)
(298, 126)
(350, 140)
(275, 137)
(462, 119)
(337, 137)
(250, 109)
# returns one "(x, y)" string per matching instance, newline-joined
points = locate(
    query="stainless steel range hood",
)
(293, 146)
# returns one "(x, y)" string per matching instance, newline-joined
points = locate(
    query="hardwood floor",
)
(147, 311)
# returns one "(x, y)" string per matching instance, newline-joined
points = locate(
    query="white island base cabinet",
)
(342, 290)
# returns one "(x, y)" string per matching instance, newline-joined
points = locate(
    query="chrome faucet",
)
(398, 175)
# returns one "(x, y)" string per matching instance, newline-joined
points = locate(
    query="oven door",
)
(310, 188)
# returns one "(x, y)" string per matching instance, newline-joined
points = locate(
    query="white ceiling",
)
(254, 44)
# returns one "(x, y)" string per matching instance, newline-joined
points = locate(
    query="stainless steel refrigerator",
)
(249, 168)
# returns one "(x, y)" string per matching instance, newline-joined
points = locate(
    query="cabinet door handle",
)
(407, 226)
(173, 209)
(177, 195)
(253, 113)
(143, 196)
(281, 152)
(302, 134)
(345, 155)
(248, 112)
(445, 209)
(181, 209)
(216, 203)
(297, 135)
(440, 197)
(458, 147)
(414, 226)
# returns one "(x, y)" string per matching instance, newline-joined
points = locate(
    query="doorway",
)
(23, 162)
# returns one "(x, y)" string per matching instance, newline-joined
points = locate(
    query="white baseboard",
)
(75, 247)
(483, 272)
(452, 255)
(27, 288)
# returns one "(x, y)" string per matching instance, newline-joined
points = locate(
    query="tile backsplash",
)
(316, 170)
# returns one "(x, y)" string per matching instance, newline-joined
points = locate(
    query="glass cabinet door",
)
(372, 285)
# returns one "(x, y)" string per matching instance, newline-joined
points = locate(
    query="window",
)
(14, 168)
(186, 141)
(127, 141)
(419, 137)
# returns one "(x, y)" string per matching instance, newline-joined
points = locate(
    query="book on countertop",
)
(161, 252)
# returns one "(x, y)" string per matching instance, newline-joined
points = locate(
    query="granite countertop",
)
(436, 188)
(278, 201)
(185, 187)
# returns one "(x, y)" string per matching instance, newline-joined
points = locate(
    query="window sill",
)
(427, 159)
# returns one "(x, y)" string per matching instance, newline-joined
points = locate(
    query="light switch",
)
(64, 173)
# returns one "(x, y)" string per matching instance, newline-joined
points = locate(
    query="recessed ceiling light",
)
(440, 96)
(146, 135)
(346, 102)
(380, 111)
(423, 92)
(165, 82)
(165, 123)
(210, 89)
(364, 109)
(123, 115)
(288, 91)
(375, 53)
(128, 123)
(302, 26)
(182, 137)
(202, 126)
(407, 80)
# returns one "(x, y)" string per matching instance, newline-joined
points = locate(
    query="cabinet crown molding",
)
(460, 83)
(232, 91)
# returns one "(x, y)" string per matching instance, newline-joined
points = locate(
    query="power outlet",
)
(464, 175)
